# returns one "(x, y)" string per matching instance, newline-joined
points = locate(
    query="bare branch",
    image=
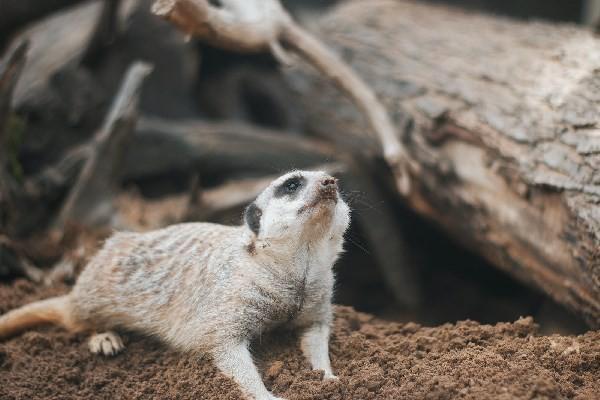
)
(256, 25)
(55, 42)
(246, 25)
(90, 200)
(335, 69)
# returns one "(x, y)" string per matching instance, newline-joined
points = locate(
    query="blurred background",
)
(211, 129)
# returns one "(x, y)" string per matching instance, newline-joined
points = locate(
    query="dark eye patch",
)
(290, 187)
(252, 217)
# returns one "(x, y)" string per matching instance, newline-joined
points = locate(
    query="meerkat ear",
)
(252, 217)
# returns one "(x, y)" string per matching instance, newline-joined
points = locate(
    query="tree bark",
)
(502, 119)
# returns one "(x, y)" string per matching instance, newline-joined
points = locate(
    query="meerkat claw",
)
(107, 343)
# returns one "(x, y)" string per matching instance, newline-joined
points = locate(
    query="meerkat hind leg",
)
(236, 362)
(315, 346)
(107, 343)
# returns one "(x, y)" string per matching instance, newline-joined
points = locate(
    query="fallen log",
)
(504, 128)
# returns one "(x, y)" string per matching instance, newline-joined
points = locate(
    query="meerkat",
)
(210, 288)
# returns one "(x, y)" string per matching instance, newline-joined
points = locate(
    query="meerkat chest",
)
(281, 298)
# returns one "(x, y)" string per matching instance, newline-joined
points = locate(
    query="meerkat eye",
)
(290, 186)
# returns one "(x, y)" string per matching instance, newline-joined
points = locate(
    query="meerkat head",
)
(300, 205)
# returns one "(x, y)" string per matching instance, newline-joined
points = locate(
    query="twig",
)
(258, 25)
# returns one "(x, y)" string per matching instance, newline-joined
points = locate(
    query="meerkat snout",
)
(329, 182)
(328, 190)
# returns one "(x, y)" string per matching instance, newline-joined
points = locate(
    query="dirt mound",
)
(374, 359)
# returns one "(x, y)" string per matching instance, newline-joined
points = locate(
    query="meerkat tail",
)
(55, 310)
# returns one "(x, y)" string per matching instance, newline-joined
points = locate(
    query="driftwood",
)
(258, 25)
(159, 147)
(73, 29)
(30, 204)
(505, 129)
(59, 104)
(90, 199)
(50, 96)
(75, 64)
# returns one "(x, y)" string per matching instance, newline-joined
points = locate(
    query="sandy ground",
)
(374, 359)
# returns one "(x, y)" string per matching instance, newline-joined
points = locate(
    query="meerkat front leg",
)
(236, 362)
(107, 343)
(315, 346)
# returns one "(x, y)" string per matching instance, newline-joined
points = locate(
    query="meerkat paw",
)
(107, 343)
(330, 376)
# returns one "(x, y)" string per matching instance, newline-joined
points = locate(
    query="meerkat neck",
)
(284, 255)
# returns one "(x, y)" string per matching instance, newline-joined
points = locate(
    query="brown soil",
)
(374, 359)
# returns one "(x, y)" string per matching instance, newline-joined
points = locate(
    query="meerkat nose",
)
(329, 182)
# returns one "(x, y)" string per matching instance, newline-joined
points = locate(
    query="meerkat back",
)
(156, 281)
